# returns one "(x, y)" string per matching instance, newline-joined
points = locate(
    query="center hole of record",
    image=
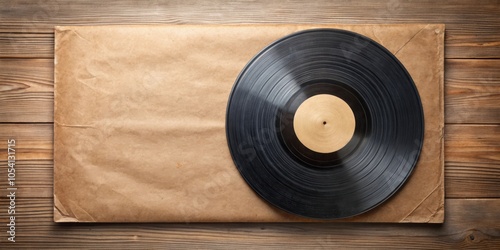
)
(324, 123)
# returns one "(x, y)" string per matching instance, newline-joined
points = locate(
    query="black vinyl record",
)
(372, 165)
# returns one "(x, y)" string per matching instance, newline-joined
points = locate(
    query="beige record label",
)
(324, 123)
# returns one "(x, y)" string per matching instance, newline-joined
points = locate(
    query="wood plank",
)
(471, 180)
(472, 91)
(27, 45)
(472, 144)
(34, 75)
(34, 178)
(33, 141)
(472, 155)
(20, 106)
(472, 29)
(469, 223)
(26, 90)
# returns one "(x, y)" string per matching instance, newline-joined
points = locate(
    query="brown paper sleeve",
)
(140, 112)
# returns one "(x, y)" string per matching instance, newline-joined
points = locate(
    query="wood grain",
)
(26, 90)
(469, 223)
(472, 90)
(34, 178)
(33, 141)
(464, 39)
(472, 144)
(26, 45)
(472, 159)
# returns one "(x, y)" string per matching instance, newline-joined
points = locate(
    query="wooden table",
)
(472, 132)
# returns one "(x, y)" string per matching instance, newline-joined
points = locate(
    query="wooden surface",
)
(472, 131)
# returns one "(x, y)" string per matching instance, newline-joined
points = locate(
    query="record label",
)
(324, 123)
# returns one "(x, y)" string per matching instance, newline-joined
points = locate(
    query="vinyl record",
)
(325, 124)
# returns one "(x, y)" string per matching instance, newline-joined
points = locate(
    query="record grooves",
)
(271, 151)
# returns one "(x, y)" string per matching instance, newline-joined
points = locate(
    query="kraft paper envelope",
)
(139, 123)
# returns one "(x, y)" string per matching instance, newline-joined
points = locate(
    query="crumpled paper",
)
(139, 123)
